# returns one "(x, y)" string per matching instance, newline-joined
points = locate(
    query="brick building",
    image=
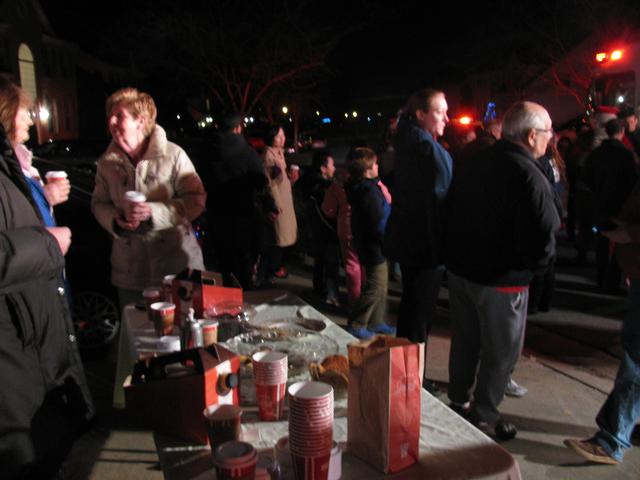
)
(67, 85)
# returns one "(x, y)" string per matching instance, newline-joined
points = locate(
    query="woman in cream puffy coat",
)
(151, 238)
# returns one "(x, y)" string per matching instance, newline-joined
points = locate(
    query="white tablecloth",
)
(450, 447)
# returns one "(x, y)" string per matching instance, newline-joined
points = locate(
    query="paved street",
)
(569, 362)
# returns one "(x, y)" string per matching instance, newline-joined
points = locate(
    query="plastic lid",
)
(236, 453)
(56, 174)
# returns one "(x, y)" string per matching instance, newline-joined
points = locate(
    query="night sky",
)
(395, 39)
(398, 46)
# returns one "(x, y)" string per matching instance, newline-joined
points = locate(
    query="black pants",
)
(236, 248)
(541, 289)
(270, 263)
(609, 274)
(326, 262)
(420, 288)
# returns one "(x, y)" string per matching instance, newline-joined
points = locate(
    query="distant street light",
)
(285, 110)
(354, 114)
(44, 114)
(317, 113)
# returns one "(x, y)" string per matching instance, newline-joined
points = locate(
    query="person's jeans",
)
(619, 414)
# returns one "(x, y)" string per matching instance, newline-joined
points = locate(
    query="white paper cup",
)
(55, 175)
(163, 317)
(269, 368)
(134, 196)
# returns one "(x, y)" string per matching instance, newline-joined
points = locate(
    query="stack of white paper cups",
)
(270, 377)
(310, 429)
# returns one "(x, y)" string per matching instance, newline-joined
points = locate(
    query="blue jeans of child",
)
(618, 416)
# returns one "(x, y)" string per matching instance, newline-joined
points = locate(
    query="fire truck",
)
(616, 80)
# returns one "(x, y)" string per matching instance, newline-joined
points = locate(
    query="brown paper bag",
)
(385, 381)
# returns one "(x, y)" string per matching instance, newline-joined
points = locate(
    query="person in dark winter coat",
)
(414, 236)
(237, 202)
(369, 213)
(610, 174)
(501, 225)
(488, 136)
(45, 402)
(312, 186)
(632, 130)
(542, 286)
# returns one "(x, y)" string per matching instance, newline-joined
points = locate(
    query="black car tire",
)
(96, 319)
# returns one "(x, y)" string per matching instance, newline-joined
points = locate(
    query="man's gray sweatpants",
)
(487, 326)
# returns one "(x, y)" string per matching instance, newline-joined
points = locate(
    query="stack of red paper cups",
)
(270, 376)
(310, 429)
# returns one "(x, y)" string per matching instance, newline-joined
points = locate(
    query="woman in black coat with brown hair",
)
(44, 399)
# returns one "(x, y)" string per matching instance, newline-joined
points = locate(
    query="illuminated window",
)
(27, 71)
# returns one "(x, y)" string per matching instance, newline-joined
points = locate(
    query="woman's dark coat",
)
(44, 399)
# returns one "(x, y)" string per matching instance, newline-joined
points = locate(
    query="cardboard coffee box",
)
(169, 393)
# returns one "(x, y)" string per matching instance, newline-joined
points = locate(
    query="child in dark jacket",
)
(369, 213)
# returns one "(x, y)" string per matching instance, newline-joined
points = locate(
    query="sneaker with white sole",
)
(590, 450)
(515, 390)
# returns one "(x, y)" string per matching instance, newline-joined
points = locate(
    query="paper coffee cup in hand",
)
(55, 175)
(134, 196)
(131, 198)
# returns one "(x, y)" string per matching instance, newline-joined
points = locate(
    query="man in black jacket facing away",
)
(500, 230)
(236, 194)
(610, 174)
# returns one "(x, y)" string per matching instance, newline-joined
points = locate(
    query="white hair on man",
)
(520, 118)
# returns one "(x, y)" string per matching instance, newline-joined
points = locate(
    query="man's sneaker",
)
(431, 387)
(590, 450)
(505, 430)
(360, 332)
(384, 329)
(332, 300)
(462, 410)
(502, 430)
(515, 390)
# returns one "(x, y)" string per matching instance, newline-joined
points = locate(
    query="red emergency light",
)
(612, 56)
(616, 55)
